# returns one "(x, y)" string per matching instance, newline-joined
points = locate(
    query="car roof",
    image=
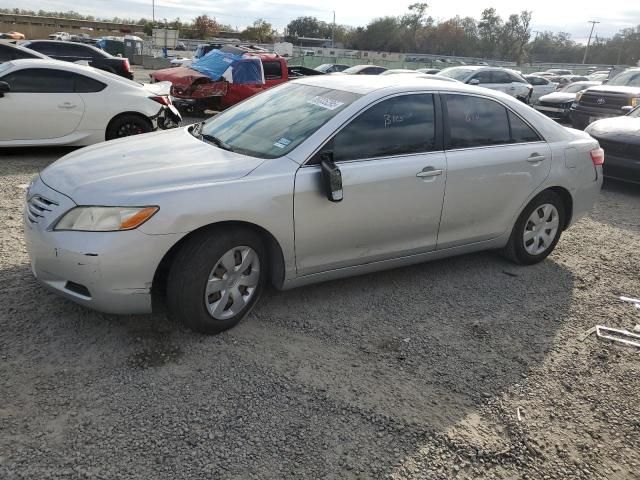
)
(366, 84)
(61, 42)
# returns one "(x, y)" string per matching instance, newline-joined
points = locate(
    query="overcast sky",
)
(556, 15)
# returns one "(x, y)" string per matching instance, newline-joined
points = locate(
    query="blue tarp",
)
(243, 70)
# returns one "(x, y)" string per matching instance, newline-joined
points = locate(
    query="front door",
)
(495, 162)
(393, 173)
(42, 104)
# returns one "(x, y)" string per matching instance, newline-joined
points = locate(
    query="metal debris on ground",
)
(635, 301)
(617, 335)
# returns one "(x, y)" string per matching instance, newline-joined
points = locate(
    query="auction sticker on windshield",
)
(324, 102)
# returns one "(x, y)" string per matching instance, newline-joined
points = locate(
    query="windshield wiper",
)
(216, 141)
(195, 131)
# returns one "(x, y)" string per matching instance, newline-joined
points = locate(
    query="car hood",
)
(631, 91)
(558, 97)
(141, 167)
(627, 128)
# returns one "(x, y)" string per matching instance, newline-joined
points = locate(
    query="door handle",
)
(536, 158)
(429, 172)
(66, 105)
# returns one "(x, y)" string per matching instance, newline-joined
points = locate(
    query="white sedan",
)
(541, 86)
(49, 102)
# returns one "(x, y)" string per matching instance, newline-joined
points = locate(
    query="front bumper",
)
(581, 119)
(108, 271)
(553, 112)
(622, 168)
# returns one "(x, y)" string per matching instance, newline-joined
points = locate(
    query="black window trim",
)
(447, 130)
(439, 130)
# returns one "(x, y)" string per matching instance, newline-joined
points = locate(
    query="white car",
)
(64, 36)
(50, 102)
(541, 86)
(494, 78)
(181, 62)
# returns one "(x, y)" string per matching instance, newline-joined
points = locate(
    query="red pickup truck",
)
(204, 92)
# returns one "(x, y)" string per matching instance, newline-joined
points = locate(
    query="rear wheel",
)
(127, 125)
(537, 230)
(216, 279)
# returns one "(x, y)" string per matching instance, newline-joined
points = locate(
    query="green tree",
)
(205, 26)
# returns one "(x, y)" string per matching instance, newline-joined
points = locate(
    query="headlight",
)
(105, 219)
(635, 102)
(578, 96)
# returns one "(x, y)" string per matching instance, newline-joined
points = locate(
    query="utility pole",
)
(586, 51)
(153, 12)
(333, 31)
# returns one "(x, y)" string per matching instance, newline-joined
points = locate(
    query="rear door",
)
(495, 160)
(42, 104)
(393, 172)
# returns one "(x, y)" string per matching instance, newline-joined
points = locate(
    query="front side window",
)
(476, 122)
(40, 80)
(271, 124)
(483, 77)
(397, 126)
(501, 77)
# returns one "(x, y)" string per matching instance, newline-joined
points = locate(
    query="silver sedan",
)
(312, 180)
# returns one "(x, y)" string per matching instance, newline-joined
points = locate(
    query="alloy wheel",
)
(232, 282)
(541, 229)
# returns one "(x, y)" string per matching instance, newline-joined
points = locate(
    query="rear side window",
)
(272, 70)
(87, 85)
(520, 131)
(501, 77)
(476, 122)
(397, 126)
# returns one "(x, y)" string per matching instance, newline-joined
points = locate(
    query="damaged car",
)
(227, 76)
(51, 102)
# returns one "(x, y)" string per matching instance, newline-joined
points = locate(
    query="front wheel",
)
(537, 230)
(216, 278)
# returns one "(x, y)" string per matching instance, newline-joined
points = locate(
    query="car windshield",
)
(273, 123)
(5, 66)
(455, 73)
(627, 79)
(355, 69)
(575, 88)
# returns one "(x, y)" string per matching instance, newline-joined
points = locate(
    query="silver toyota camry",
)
(313, 180)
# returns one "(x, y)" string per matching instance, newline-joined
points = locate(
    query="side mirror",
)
(474, 81)
(4, 88)
(331, 177)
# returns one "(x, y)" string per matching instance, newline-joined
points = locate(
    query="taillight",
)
(127, 67)
(597, 156)
(166, 101)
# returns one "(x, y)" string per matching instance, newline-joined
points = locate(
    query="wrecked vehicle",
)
(227, 76)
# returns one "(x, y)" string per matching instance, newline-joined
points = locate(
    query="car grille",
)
(604, 100)
(39, 207)
(619, 149)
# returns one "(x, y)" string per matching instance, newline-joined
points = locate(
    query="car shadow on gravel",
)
(343, 379)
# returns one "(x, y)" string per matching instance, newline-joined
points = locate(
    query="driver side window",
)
(483, 77)
(401, 125)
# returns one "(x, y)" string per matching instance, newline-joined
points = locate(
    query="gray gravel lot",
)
(415, 373)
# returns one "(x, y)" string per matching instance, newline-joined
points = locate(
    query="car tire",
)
(127, 125)
(537, 230)
(206, 289)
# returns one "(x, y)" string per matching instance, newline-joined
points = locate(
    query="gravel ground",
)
(415, 373)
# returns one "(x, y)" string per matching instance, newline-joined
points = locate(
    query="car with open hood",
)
(316, 179)
(558, 104)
